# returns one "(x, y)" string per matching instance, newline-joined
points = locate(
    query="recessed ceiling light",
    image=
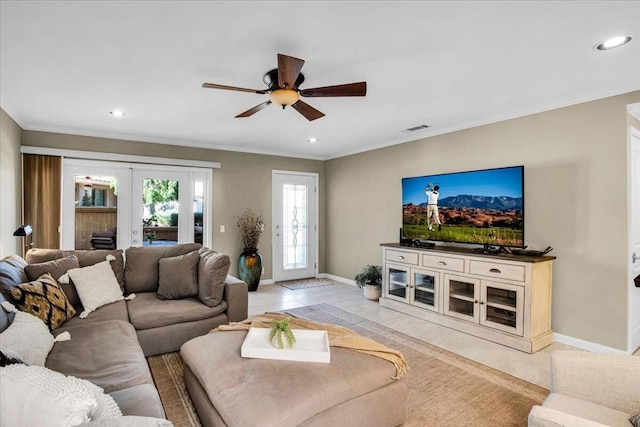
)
(613, 42)
(116, 113)
(312, 140)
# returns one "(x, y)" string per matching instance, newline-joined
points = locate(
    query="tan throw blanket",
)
(338, 337)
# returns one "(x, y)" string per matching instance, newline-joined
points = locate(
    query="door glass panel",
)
(501, 306)
(461, 297)
(96, 212)
(294, 228)
(160, 212)
(397, 283)
(425, 288)
(198, 204)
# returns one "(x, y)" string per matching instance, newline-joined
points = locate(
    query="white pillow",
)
(37, 396)
(131, 421)
(96, 285)
(28, 336)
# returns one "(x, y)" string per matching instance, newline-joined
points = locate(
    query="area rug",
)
(306, 283)
(444, 389)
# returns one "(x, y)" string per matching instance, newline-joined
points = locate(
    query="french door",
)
(295, 202)
(122, 205)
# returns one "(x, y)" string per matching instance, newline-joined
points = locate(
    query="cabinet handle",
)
(475, 301)
(400, 257)
(495, 270)
(481, 302)
(442, 263)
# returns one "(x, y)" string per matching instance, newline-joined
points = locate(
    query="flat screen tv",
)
(483, 207)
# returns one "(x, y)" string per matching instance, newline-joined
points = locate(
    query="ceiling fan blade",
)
(349, 89)
(252, 111)
(288, 70)
(307, 110)
(239, 89)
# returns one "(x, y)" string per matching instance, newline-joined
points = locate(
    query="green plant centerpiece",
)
(281, 332)
(370, 280)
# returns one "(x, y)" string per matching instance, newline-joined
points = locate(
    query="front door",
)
(634, 240)
(294, 225)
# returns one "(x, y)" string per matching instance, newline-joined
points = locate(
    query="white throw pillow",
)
(37, 396)
(28, 336)
(96, 285)
(131, 421)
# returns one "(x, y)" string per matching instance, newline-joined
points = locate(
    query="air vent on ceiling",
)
(416, 128)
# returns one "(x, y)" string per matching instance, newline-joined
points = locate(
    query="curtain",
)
(42, 195)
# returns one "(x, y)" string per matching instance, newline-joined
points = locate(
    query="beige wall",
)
(243, 181)
(10, 185)
(575, 200)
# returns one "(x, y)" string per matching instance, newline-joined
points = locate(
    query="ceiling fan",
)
(283, 89)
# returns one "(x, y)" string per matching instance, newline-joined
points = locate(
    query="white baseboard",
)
(585, 345)
(266, 282)
(337, 279)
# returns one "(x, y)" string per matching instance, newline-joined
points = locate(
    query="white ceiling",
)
(65, 64)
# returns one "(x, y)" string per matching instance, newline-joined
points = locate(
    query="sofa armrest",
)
(609, 380)
(547, 417)
(236, 294)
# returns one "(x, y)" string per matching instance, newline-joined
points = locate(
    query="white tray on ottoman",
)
(310, 346)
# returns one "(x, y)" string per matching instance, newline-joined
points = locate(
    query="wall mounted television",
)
(483, 207)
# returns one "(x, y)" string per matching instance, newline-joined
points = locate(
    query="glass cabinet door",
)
(501, 306)
(397, 283)
(461, 297)
(425, 285)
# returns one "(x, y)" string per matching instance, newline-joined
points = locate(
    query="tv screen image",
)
(483, 207)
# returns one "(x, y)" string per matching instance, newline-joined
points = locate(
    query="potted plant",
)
(281, 332)
(250, 227)
(150, 236)
(370, 279)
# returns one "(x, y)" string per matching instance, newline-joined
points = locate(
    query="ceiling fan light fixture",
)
(284, 97)
(613, 42)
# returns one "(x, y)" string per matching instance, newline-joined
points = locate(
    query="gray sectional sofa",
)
(109, 347)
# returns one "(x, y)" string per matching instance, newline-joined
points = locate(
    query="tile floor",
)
(530, 367)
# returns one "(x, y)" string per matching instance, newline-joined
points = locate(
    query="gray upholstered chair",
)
(590, 389)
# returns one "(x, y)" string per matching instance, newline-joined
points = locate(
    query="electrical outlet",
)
(222, 228)
(262, 270)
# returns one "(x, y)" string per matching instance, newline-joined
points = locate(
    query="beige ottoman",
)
(228, 390)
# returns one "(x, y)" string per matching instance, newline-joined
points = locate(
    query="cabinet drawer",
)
(403, 257)
(497, 270)
(442, 262)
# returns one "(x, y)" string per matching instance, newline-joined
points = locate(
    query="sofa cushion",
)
(85, 258)
(212, 272)
(114, 311)
(141, 268)
(28, 336)
(96, 285)
(45, 299)
(146, 311)
(141, 400)
(106, 353)
(178, 276)
(587, 410)
(56, 267)
(35, 395)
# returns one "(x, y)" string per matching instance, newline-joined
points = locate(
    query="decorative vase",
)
(250, 267)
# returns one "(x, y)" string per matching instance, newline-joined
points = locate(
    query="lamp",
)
(284, 97)
(24, 231)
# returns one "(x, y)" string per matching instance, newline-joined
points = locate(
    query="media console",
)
(503, 298)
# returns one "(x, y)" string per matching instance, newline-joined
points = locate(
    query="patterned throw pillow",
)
(45, 299)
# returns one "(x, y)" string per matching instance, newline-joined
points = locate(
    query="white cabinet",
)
(503, 298)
